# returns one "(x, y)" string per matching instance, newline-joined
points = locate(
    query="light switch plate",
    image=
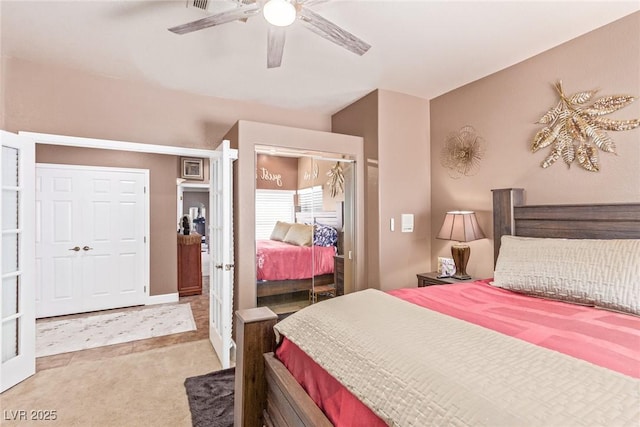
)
(407, 223)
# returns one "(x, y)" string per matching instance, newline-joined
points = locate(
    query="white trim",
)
(92, 168)
(106, 144)
(162, 299)
(195, 186)
(147, 232)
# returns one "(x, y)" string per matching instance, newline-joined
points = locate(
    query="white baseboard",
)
(162, 299)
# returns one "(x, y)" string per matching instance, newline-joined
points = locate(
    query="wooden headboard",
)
(589, 221)
(332, 218)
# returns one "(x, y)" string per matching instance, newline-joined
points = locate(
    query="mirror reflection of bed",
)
(295, 266)
(300, 230)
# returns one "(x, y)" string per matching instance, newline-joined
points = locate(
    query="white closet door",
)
(90, 245)
(17, 317)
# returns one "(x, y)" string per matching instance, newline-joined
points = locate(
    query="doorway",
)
(193, 200)
(220, 184)
(305, 227)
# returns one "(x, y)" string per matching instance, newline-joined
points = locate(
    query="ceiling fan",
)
(280, 14)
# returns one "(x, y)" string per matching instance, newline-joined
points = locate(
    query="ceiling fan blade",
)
(332, 32)
(311, 2)
(241, 12)
(275, 46)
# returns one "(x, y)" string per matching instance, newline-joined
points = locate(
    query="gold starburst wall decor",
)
(462, 152)
(576, 129)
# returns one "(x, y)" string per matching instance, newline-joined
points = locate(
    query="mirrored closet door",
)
(305, 210)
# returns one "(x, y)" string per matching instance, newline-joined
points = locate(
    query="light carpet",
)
(139, 389)
(81, 333)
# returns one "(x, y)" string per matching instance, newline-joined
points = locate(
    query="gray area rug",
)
(211, 398)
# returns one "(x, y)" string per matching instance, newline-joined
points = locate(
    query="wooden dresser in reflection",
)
(189, 265)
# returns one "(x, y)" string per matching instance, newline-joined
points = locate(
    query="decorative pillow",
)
(299, 235)
(280, 231)
(323, 235)
(603, 273)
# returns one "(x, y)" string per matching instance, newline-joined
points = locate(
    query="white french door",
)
(221, 267)
(90, 238)
(17, 301)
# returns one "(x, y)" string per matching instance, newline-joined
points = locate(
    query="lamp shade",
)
(461, 226)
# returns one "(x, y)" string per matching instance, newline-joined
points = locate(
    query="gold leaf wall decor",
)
(576, 129)
(462, 152)
(336, 180)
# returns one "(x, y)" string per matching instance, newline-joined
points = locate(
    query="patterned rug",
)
(211, 398)
(96, 330)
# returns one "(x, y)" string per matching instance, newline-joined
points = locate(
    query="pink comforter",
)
(281, 261)
(604, 338)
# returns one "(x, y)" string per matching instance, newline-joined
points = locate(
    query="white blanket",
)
(417, 367)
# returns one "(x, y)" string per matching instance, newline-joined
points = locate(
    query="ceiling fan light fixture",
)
(280, 13)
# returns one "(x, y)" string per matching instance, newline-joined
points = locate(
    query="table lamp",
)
(460, 226)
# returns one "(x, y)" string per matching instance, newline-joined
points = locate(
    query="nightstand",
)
(428, 279)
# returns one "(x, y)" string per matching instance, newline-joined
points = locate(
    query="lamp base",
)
(460, 254)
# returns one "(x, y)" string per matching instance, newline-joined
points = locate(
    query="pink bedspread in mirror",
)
(281, 261)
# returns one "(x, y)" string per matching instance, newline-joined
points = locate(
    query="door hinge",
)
(145, 189)
(145, 239)
(145, 288)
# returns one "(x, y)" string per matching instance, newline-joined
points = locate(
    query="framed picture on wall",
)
(191, 168)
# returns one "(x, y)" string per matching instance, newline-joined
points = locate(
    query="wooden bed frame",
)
(267, 394)
(266, 288)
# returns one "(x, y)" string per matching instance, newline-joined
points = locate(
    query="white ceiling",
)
(424, 48)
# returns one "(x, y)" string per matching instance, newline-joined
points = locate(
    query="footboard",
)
(265, 392)
(287, 402)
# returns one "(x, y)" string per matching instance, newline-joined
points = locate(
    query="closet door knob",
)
(76, 249)
(86, 248)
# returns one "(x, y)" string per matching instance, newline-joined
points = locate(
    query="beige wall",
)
(65, 101)
(361, 119)
(162, 200)
(2, 79)
(245, 136)
(395, 128)
(284, 168)
(504, 107)
(404, 187)
(2, 90)
(307, 168)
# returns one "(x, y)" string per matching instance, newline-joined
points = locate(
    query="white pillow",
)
(603, 273)
(280, 231)
(299, 235)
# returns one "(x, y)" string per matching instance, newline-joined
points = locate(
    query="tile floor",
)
(199, 307)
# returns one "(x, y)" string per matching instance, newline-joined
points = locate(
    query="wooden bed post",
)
(504, 200)
(255, 336)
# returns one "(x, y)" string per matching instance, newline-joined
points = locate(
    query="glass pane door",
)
(10, 250)
(17, 333)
